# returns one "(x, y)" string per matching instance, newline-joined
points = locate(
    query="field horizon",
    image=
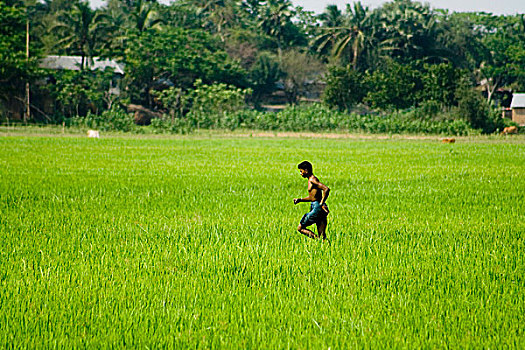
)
(190, 241)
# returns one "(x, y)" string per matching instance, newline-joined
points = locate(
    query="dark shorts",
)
(316, 215)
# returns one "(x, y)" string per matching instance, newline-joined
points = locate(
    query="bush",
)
(172, 126)
(114, 119)
(316, 117)
(78, 93)
(473, 108)
(206, 106)
(344, 88)
(395, 86)
(321, 118)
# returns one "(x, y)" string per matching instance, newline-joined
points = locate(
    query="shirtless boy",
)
(317, 195)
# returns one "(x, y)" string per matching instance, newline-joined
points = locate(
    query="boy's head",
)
(305, 168)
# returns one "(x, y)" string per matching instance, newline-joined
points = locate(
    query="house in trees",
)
(47, 101)
(518, 108)
(75, 63)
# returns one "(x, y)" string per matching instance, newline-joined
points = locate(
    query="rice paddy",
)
(191, 242)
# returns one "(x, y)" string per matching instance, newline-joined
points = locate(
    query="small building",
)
(518, 109)
(47, 103)
(74, 63)
(95, 63)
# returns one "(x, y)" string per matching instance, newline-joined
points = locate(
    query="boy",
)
(317, 195)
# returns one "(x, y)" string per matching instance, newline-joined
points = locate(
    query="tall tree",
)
(158, 59)
(219, 14)
(410, 31)
(348, 35)
(357, 26)
(126, 18)
(276, 21)
(460, 39)
(300, 70)
(80, 31)
(144, 15)
(330, 19)
(503, 51)
(16, 69)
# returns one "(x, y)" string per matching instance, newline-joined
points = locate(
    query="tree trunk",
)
(279, 51)
(27, 114)
(490, 91)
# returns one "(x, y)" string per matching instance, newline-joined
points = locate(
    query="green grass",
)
(190, 242)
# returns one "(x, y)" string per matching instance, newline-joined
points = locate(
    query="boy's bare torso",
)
(314, 191)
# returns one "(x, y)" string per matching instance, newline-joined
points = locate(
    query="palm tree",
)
(410, 31)
(251, 7)
(115, 23)
(264, 74)
(125, 18)
(331, 19)
(219, 13)
(356, 28)
(79, 31)
(274, 20)
(144, 15)
(348, 34)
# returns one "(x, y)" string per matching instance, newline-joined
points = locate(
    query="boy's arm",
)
(324, 188)
(310, 198)
(306, 199)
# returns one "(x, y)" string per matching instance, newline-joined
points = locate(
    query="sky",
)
(506, 7)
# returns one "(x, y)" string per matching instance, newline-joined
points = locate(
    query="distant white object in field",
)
(93, 133)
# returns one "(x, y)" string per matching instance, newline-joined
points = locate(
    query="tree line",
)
(399, 56)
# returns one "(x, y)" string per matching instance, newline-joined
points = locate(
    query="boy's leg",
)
(321, 228)
(306, 231)
(306, 221)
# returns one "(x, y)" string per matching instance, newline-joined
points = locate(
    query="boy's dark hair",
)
(306, 165)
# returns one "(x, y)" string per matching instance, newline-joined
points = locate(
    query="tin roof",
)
(518, 101)
(73, 63)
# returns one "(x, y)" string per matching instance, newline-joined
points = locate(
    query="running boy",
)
(317, 195)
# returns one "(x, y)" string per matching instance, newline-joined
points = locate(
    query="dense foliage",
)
(16, 69)
(398, 56)
(317, 118)
(176, 57)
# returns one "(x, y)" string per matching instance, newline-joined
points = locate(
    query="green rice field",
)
(191, 242)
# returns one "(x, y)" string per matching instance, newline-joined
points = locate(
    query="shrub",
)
(473, 108)
(395, 86)
(318, 117)
(211, 104)
(172, 126)
(78, 93)
(206, 106)
(114, 119)
(344, 88)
